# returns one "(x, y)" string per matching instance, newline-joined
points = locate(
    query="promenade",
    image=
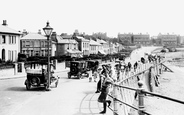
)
(84, 103)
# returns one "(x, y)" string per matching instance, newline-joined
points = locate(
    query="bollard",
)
(140, 98)
(114, 100)
(15, 68)
(23, 67)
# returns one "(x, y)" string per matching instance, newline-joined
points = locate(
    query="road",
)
(65, 99)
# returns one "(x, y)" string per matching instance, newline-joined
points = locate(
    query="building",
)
(67, 46)
(83, 44)
(141, 39)
(126, 39)
(104, 48)
(94, 47)
(9, 43)
(168, 39)
(136, 39)
(100, 35)
(35, 44)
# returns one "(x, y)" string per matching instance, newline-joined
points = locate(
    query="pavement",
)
(82, 104)
(60, 68)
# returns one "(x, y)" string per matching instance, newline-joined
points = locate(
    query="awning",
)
(80, 55)
(69, 51)
(73, 51)
(115, 52)
(77, 51)
(101, 52)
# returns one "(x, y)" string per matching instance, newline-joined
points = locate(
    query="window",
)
(12, 41)
(9, 54)
(32, 53)
(3, 39)
(9, 39)
(27, 43)
(15, 39)
(46, 43)
(42, 43)
(23, 43)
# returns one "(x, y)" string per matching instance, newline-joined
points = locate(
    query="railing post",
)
(157, 73)
(114, 99)
(140, 98)
(160, 69)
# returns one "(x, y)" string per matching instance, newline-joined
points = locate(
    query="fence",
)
(135, 85)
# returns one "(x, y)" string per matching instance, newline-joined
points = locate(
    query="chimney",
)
(54, 36)
(24, 32)
(39, 31)
(4, 23)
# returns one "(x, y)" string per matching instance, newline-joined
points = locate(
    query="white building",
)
(103, 49)
(35, 44)
(94, 47)
(9, 43)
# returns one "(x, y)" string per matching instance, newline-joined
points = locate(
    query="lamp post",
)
(48, 31)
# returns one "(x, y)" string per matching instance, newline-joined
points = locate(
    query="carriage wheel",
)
(69, 76)
(28, 85)
(79, 75)
(45, 86)
(87, 75)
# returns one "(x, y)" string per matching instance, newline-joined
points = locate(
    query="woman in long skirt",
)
(106, 83)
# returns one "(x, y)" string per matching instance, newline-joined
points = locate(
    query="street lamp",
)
(48, 31)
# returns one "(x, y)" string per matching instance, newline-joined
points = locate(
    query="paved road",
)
(71, 97)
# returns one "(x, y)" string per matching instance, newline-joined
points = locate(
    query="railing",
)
(135, 85)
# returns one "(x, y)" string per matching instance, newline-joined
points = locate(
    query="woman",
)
(101, 71)
(94, 71)
(106, 83)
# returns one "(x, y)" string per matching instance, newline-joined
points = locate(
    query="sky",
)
(92, 16)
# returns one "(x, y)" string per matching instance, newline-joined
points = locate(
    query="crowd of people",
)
(108, 74)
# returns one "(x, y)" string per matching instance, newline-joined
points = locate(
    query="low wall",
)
(6, 72)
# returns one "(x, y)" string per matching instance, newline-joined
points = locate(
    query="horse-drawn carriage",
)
(37, 75)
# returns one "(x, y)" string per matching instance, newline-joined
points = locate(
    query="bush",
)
(6, 65)
(9, 62)
(22, 57)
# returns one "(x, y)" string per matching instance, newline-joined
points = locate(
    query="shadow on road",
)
(24, 89)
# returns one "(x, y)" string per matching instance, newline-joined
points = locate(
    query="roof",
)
(81, 38)
(67, 36)
(66, 41)
(102, 41)
(94, 43)
(34, 36)
(6, 29)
